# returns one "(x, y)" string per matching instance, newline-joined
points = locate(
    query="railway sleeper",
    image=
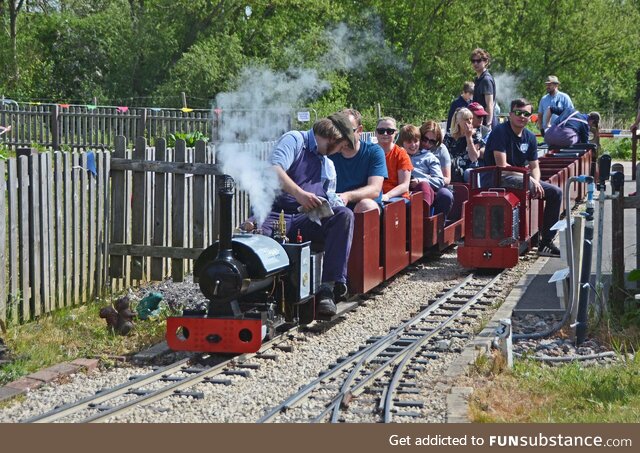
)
(407, 391)
(138, 392)
(242, 373)
(217, 381)
(190, 394)
(408, 403)
(412, 414)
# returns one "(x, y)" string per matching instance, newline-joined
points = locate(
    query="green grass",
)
(69, 334)
(536, 393)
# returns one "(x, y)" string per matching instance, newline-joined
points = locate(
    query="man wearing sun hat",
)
(554, 98)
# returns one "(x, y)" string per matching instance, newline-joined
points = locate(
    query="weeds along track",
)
(377, 382)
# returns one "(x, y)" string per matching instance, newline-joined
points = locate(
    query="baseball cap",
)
(552, 79)
(342, 123)
(477, 109)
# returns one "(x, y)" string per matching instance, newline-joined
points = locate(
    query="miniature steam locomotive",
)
(255, 285)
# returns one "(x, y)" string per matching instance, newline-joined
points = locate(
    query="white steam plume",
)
(507, 89)
(259, 110)
(350, 49)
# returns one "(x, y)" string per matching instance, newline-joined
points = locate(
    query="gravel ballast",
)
(249, 398)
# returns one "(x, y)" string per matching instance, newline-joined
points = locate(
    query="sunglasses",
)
(522, 113)
(428, 140)
(385, 131)
(474, 61)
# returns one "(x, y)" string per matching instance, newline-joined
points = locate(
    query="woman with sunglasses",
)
(463, 145)
(427, 175)
(399, 167)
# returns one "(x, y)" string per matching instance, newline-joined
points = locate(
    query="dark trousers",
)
(336, 233)
(552, 202)
(441, 201)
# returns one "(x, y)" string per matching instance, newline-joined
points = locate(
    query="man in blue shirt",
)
(553, 98)
(305, 173)
(511, 144)
(360, 170)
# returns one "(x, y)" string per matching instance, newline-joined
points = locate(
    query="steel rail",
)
(411, 352)
(190, 381)
(359, 358)
(358, 388)
(126, 387)
(83, 404)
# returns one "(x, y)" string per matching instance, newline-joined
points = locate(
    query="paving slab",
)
(25, 383)
(7, 393)
(88, 365)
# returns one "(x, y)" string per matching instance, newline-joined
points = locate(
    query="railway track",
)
(172, 380)
(386, 366)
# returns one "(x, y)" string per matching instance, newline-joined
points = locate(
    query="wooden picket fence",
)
(151, 208)
(82, 126)
(53, 232)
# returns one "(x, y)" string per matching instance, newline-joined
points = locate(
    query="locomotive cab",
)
(496, 219)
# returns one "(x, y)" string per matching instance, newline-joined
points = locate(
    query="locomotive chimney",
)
(225, 197)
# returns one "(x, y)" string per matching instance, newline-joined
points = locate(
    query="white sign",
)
(304, 116)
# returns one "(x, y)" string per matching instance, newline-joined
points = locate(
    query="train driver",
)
(305, 173)
(512, 144)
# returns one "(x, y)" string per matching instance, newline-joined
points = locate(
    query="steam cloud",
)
(507, 89)
(259, 109)
(350, 49)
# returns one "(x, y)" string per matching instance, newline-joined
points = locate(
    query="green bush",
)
(618, 148)
(190, 138)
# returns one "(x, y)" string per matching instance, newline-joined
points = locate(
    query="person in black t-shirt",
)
(461, 101)
(484, 91)
(511, 144)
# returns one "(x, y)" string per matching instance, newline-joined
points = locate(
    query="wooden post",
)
(617, 250)
(118, 206)
(636, 172)
(184, 99)
(159, 213)
(55, 130)
(3, 251)
(138, 218)
(634, 152)
(178, 213)
(142, 124)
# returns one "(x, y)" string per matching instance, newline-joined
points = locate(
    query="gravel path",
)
(249, 398)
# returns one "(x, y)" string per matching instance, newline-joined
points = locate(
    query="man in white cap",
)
(554, 98)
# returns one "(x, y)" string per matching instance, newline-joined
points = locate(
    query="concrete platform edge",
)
(457, 399)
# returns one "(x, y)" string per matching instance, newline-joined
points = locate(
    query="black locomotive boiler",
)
(254, 284)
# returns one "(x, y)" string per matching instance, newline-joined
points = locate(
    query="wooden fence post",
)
(142, 124)
(118, 206)
(55, 127)
(617, 249)
(139, 210)
(634, 153)
(178, 213)
(636, 172)
(3, 251)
